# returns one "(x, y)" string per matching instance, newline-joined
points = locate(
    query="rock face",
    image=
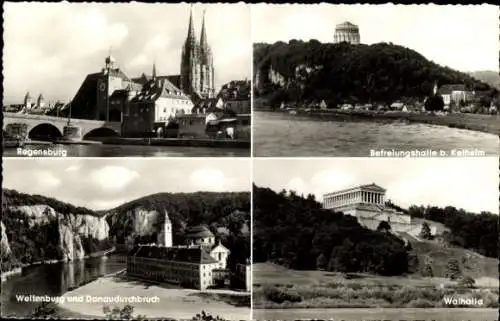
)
(4, 243)
(139, 222)
(72, 227)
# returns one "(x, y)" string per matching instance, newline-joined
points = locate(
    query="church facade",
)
(197, 67)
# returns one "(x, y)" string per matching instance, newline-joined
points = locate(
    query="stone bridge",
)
(56, 127)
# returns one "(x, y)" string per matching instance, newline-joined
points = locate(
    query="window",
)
(164, 110)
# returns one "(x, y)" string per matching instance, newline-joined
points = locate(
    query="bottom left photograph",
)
(126, 238)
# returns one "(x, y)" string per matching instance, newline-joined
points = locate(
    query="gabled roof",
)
(373, 186)
(448, 89)
(179, 254)
(116, 72)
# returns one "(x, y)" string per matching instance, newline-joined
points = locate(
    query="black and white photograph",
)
(375, 239)
(126, 239)
(126, 79)
(360, 80)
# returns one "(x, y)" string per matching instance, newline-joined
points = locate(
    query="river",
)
(406, 314)
(102, 150)
(53, 280)
(283, 135)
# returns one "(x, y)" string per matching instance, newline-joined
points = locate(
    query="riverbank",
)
(19, 270)
(276, 287)
(489, 124)
(179, 142)
(165, 302)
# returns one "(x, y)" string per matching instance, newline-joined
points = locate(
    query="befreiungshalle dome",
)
(346, 32)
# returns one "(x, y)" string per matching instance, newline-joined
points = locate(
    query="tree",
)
(426, 231)
(466, 282)
(321, 262)
(453, 269)
(427, 271)
(44, 310)
(126, 313)
(384, 226)
(434, 103)
(203, 316)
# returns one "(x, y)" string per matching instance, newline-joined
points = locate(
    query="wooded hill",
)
(296, 232)
(38, 242)
(377, 73)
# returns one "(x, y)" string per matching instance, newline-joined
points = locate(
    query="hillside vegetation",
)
(33, 239)
(378, 73)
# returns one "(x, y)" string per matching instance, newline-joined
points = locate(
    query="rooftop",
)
(371, 187)
(198, 231)
(180, 254)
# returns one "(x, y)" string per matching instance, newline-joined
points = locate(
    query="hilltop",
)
(492, 78)
(381, 72)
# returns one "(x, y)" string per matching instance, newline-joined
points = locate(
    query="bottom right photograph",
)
(378, 239)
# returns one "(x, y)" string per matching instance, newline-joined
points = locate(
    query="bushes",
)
(278, 295)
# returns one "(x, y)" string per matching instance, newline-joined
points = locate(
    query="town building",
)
(454, 94)
(106, 95)
(151, 110)
(347, 32)
(200, 263)
(368, 204)
(236, 96)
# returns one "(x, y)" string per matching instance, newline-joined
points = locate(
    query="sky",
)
(468, 183)
(465, 38)
(102, 184)
(49, 48)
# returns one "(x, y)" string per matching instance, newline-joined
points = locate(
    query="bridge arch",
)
(101, 132)
(45, 131)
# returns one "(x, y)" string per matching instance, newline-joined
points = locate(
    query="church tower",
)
(165, 236)
(207, 64)
(197, 70)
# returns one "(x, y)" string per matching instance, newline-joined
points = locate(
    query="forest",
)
(379, 73)
(478, 232)
(296, 232)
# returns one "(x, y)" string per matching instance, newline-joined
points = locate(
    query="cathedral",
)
(197, 67)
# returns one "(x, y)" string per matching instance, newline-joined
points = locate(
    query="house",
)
(150, 111)
(454, 93)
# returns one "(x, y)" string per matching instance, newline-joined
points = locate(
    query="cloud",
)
(461, 37)
(469, 183)
(113, 178)
(208, 179)
(78, 36)
(46, 179)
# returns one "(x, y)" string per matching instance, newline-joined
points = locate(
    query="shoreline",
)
(178, 303)
(489, 124)
(179, 142)
(4, 275)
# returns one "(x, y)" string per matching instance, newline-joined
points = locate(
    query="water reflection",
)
(53, 280)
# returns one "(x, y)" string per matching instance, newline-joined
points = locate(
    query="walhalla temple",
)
(368, 204)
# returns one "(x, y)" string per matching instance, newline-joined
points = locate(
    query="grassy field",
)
(278, 287)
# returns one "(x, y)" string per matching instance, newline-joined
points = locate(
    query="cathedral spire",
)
(191, 38)
(203, 38)
(154, 70)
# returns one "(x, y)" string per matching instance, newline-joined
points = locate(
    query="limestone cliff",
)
(133, 223)
(71, 228)
(4, 243)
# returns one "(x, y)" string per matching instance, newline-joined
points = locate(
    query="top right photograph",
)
(375, 80)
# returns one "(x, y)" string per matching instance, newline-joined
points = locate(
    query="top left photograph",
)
(126, 80)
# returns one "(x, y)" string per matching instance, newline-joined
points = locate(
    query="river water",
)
(53, 280)
(406, 314)
(98, 150)
(283, 135)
